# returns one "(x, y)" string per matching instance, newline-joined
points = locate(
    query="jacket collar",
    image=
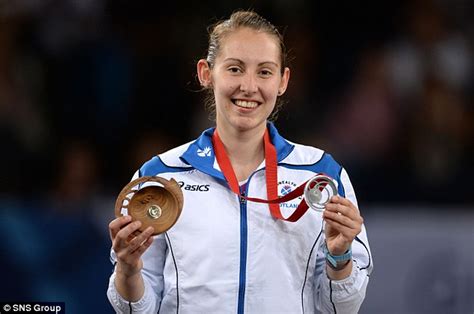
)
(200, 154)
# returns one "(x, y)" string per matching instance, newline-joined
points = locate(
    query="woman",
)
(226, 254)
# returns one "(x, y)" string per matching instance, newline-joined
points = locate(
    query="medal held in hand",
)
(157, 205)
(318, 191)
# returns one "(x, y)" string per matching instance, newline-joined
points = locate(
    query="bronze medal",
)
(158, 206)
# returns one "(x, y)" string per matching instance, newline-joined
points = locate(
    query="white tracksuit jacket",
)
(228, 256)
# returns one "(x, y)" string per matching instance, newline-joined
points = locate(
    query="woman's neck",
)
(245, 150)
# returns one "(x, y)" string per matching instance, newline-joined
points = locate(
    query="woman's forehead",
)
(245, 43)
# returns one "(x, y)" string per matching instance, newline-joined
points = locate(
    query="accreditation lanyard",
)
(271, 179)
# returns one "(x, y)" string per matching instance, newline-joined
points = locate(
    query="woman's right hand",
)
(129, 245)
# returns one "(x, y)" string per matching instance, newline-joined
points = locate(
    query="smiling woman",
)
(246, 80)
(228, 253)
(238, 21)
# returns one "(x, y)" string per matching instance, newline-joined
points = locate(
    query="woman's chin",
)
(243, 124)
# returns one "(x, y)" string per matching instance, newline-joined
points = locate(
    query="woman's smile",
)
(247, 104)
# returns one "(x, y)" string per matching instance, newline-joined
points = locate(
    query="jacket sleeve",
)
(346, 295)
(152, 273)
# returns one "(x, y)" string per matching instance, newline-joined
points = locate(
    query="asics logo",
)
(194, 187)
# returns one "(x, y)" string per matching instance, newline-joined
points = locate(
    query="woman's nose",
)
(248, 84)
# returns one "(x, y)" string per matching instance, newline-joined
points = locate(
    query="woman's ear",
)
(284, 81)
(204, 73)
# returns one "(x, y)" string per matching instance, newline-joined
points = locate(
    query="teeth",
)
(246, 104)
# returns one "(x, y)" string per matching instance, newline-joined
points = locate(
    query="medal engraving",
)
(154, 211)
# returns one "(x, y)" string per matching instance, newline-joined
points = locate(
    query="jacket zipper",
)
(243, 251)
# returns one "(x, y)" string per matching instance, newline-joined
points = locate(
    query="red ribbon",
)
(271, 179)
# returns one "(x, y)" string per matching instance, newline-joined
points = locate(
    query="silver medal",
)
(318, 191)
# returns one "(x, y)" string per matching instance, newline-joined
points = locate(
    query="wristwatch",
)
(337, 262)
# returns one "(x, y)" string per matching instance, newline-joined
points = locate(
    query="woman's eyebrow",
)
(234, 60)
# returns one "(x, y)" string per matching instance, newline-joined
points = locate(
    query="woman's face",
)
(246, 79)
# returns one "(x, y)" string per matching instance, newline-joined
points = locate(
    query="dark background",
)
(91, 89)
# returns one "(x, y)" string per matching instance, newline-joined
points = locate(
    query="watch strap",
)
(337, 261)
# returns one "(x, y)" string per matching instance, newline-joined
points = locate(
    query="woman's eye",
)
(234, 70)
(265, 72)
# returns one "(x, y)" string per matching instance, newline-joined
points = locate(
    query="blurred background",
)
(91, 89)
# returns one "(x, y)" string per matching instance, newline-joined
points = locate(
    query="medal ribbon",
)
(271, 179)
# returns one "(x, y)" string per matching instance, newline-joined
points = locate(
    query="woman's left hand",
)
(343, 224)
